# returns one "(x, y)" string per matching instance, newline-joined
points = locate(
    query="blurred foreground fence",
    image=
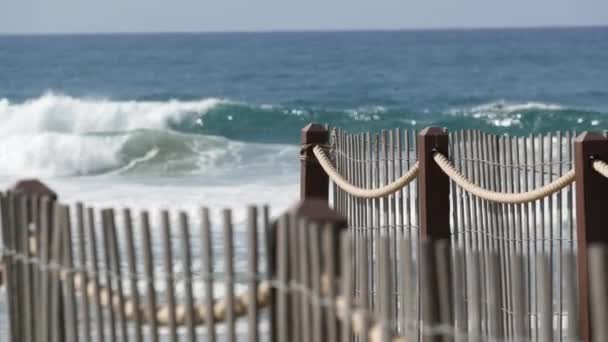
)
(423, 236)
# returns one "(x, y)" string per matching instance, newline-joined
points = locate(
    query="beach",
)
(181, 121)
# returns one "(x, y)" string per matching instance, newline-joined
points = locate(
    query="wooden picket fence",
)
(426, 262)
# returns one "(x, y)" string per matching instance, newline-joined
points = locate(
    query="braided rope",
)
(241, 304)
(502, 197)
(601, 167)
(110, 299)
(356, 191)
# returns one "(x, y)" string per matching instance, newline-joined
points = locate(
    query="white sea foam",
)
(504, 113)
(147, 153)
(58, 135)
(59, 113)
(58, 154)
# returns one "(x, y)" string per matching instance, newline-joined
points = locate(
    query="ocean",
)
(185, 120)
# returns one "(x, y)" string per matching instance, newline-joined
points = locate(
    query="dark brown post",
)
(33, 187)
(591, 199)
(314, 182)
(433, 185)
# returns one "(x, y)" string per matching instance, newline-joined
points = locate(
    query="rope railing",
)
(502, 197)
(108, 298)
(456, 176)
(360, 320)
(356, 191)
(601, 167)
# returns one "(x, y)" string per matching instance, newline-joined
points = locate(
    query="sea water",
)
(180, 121)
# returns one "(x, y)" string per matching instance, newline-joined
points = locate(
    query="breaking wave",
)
(60, 135)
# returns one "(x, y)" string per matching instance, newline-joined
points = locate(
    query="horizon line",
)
(335, 30)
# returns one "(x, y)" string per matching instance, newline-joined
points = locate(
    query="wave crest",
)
(64, 114)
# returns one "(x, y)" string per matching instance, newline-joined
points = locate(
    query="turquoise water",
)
(178, 105)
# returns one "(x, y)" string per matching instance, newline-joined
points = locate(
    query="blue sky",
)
(56, 16)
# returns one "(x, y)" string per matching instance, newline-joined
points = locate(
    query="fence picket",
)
(207, 256)
(229, 270)
(149, 271)
(68, 277)
(82, 256)
(598, 286)
(168, 274)
(99, 317)
(133, 275)
(346, 286)
(252, 243)
(282, 275)
(22, 244)
(545, 290)
(109, 224)
(186, 265)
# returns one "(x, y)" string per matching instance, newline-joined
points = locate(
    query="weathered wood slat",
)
(68, 277)
(252, 253)
(109, 224)
(186, 266)
(82, 256)
(207, 258)
(133, 272)
(283, 276)
(169, 276)
(598, 291)
(229, 270)
(93, 251)
(149, 276)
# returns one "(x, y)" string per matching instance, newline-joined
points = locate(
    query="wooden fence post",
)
(433, 185)
(591, 199)
(314, 182)
(34, 190)
(314, 212)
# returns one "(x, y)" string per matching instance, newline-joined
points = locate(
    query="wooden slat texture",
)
(406, 286)
(304, 280)
(23, 235)
(282, 276)
(570, 297)
(149, 276)
(473, 294)
(362, 258)
(346, 269)
(133, 275)
(315, 268)
(544, 290)
(93, 254)
(329, 239)
(109, 282)
(57, 318)
(598, 291)
(186, 253)
(444, 287)
(168, 273)
(82, 256)
(520, 309)
(109, 224)
(207, 258)
(68, 277)
(229, 270)
(252, 253)
(295, 297)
